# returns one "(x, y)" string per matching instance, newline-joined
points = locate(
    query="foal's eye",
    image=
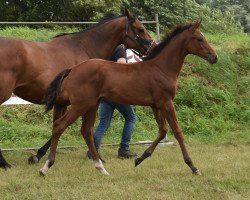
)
(200, 39)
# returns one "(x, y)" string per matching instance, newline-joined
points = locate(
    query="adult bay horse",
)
(151, 82)
(27, 67)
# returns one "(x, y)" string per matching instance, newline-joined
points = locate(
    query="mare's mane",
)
(157, 49)
(107, 17)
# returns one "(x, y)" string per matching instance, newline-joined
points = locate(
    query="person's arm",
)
(120, 54)
(121, 60)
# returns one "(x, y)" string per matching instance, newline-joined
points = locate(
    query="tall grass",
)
(41, 34)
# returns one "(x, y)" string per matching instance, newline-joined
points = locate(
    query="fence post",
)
(157, 27)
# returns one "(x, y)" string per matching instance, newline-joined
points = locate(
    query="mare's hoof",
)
(197, 172)
(33, 160)
(5, 165)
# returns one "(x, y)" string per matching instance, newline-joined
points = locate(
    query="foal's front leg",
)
(87, 133)
(172, 120)
(161, 135)
(58, 111)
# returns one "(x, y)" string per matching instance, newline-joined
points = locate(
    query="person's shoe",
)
(126, 153)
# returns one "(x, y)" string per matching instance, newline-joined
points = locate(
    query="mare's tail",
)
(54, 89)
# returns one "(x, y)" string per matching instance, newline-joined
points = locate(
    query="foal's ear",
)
(196, 25)
(129, 15)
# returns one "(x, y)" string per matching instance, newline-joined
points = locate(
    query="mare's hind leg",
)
(6, 89)
(3, 162)
(172, 120)
(161, 135)
(58, 127)
(58, 111)
(87, 133)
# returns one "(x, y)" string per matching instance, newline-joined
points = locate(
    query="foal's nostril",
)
(212, 58)
(215, 59)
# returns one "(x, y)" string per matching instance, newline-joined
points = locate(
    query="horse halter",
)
(138, 40)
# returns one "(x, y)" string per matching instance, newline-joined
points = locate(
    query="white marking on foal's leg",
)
(100, 167)
(45, 168)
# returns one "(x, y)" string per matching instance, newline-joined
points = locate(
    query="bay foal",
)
(151, 82)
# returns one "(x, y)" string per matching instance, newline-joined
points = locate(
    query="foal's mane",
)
(157, 49)
(107, 17)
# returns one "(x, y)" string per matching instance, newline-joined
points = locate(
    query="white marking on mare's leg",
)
(45, 168)
(100, 167)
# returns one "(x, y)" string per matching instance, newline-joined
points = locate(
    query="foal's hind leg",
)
(6, 89)
(58, 127)
(87, 133)
(162, 133)
(58, 111)
(172, 120)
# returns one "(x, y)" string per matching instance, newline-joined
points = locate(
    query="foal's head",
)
(198, 45)
(136, 35)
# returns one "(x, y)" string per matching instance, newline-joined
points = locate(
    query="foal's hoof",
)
(42, 173)
(137, 161)
(5, 165)
(197, 172)
(33, 160)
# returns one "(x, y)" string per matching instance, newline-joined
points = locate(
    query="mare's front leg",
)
(58, 127)
(161, 135)
(172, 120)
(3, 162)
(87, 132)
(58, 111)
(6, 88)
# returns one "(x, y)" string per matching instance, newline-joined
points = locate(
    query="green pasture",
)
(164, 176)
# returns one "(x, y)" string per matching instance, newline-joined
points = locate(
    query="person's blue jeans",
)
(106, 112)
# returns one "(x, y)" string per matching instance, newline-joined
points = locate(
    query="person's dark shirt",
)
(120, 52)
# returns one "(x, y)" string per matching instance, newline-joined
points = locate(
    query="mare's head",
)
(136, 35)
(197, 44)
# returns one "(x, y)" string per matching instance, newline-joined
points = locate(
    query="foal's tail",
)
(54, 89)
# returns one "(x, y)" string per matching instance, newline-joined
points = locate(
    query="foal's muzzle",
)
(212, 58)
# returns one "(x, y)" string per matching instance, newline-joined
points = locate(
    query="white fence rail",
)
(156, 22)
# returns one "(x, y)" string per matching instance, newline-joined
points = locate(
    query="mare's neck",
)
(100, 41)
(170, 60)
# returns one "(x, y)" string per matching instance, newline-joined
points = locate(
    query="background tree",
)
(217, 15)
(240, 8)
(173, 12)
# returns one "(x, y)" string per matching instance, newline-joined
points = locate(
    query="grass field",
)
(225, 171)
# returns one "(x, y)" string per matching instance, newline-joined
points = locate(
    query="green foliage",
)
(94, 10)
(172, 13)
(240, 8)
(216, 18)
(56, 10)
